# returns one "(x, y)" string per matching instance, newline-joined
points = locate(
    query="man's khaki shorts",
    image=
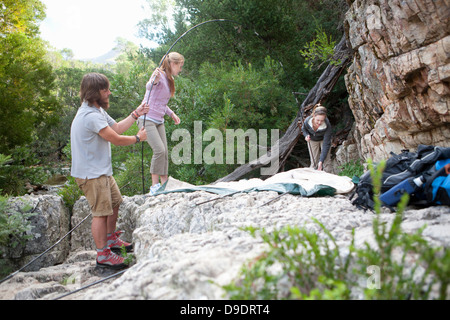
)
(102, 194)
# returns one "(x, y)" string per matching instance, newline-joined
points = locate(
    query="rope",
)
(92, 284)
(284, 193)
(218, 198)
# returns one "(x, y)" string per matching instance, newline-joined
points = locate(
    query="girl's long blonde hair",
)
(176, 58)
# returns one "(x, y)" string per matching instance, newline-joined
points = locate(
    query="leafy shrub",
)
(70, 193)
(14, 226)
(299, 264)
(319, 51)
(351, 169)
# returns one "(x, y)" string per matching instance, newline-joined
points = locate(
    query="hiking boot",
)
(108, 259)
(116, 244)
(154, 189)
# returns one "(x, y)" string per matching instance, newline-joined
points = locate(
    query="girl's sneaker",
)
(116, 244)
(108, 259)
(154, 189)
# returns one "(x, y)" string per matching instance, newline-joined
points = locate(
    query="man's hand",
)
(142, 134)
(142, 109)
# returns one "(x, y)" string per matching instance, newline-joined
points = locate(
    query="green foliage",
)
(19, 169)
(129, 178)
(26, 79)
(157, 25)
(70, 193)
(129, 257)
(351, 169)
(376, 173)
(131, 73)
(243, 96)
(282, 27)
(15, 227)
(21, 16)
(4, 159)
(300, 264)
(14, 223)
(320, 50)
(127, 165)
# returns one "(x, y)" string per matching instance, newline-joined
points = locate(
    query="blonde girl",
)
(163, 89)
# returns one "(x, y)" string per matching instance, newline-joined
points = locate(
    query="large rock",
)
(187, 251)
(399, 80)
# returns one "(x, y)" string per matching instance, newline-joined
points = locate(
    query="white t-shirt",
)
(91, 154)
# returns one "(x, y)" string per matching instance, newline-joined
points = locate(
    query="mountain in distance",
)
(107, 58)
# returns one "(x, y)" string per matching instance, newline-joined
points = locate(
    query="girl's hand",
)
(156, 75)
(319, 167)
(175, 118)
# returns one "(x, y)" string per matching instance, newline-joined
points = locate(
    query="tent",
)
(306, 182)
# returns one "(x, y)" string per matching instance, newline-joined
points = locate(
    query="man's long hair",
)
(91, 85)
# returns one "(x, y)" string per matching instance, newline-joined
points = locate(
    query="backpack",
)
(437, 187)
(400, 167)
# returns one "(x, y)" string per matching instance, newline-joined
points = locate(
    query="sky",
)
(91, 27)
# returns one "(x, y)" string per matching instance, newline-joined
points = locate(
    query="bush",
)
(352, 169)
(70, 193)
(14, 226)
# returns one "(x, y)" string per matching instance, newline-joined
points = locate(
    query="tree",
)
(263, 27)
(26, 78)
(157, 26)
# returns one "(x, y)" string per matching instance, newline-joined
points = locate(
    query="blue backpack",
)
(437, 187)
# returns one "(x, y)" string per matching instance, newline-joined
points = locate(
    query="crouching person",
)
(91, 135)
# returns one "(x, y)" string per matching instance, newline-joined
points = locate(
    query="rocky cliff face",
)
(399, 80)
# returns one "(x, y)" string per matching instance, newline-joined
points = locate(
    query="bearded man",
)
(91, 135)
